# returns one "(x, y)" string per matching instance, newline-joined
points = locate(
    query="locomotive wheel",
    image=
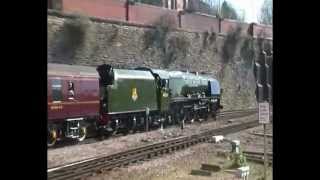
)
(134, 130)
(82, 133)
(114, 132)
(125, 131)
(52, 138)
(205, 116)
(101, 134)
(133, 127)
(169, 120)
(214, 116)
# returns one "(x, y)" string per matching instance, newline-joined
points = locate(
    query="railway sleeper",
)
(153, 155)
(110, 164)
(162, 151)
(184, 146)
(133, 161)
(258, 160)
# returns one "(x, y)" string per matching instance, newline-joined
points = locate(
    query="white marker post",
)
(264, 119)
(147, 119)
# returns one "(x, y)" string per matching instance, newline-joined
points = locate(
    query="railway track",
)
(99, 164)
(258, 156)
(235, 113)
(221, 116)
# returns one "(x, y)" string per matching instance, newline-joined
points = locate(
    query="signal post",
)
(263, 74)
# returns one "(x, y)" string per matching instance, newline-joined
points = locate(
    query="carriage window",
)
(56, 90)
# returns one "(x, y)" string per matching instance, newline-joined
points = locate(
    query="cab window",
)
(164, 83)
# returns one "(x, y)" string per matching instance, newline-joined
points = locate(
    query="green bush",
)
(170, 47)
(207, 40)
(238, 160)
(177, 45)
(247, 52)
(74, 32)
(212, 37)
(230, 44)
(205, 36)
(157, 36)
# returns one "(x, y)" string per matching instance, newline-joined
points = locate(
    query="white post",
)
(265, 152)
(161, 127)
(147, 119)
(264, 118)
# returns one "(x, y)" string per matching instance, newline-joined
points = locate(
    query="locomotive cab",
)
(106, 78)
(163, 90)
(215, 92)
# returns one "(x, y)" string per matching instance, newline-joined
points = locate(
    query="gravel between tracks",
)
(69, 154)
(179, 164)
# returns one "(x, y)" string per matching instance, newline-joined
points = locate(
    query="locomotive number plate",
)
(56, 107)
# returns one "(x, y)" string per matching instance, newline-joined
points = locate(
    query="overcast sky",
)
(250, 7)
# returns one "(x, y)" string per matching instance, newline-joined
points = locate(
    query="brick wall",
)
(264, 31)
(199, 23)
(147, 15)
(113, 9)
(231, 25)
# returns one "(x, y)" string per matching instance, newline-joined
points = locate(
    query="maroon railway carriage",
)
(73, 101)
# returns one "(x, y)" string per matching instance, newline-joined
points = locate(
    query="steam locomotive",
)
(86, 100)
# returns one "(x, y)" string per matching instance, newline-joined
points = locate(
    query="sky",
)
(251, 8)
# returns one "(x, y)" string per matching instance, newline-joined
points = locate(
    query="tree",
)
(242, 16)
(266, 12)
(228, 12)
